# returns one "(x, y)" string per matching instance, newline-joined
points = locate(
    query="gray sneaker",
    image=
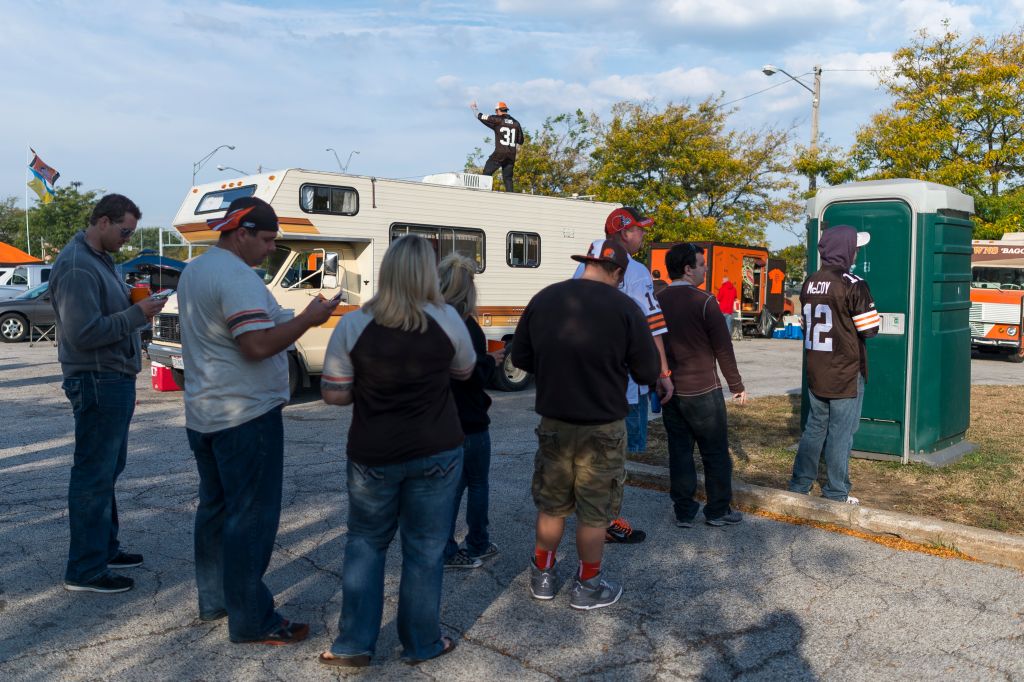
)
(594, 593)
(730, 519)
(542, 583)
(462, 560)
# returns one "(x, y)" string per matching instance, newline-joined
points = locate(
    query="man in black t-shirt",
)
(839, 314)
(581, 338)
(508, 135)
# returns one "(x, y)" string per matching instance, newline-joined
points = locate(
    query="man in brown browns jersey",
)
(839, 314)
(508, 136)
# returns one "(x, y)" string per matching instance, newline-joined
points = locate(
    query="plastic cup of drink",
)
(140, 292)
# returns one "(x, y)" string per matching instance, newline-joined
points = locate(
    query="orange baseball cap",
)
(501, 106)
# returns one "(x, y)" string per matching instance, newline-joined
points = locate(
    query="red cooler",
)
(162, 378)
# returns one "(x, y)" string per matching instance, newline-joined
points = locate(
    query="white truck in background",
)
(17, 279)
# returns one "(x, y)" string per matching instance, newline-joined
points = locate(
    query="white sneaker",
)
(850, 499)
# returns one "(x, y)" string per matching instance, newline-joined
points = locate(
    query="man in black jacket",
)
(581, 338)
(508, 135)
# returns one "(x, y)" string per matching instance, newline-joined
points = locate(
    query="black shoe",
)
(685, 523)
(108, 583)
(125, 560)
(729, 519)
(621, 531)
(285, 633)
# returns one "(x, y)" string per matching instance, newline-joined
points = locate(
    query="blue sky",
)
(125, 96)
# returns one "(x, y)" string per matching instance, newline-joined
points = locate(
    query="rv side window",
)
(445, 240)
(328, 199)
(221, 199)
(523, 250)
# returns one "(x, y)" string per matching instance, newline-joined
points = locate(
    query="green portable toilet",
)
(918, 265)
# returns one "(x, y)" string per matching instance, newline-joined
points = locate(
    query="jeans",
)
(728, 322)
(831, 424)
(476, 467)
(417, 497)
(103, 404)
(240, 472)
(636, 425)
(700, 418)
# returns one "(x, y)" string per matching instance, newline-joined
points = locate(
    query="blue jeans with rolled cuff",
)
(417, 497)
(103, 404)
(240, 475)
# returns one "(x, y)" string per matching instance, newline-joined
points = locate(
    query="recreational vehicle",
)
(997, 290)
(335, 228)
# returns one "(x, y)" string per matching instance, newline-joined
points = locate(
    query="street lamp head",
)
(221, 168)
(230, 146)
(768, 70)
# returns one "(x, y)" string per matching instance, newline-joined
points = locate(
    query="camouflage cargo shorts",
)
(580, 468)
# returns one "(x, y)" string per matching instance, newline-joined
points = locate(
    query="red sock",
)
(589, 570)
(543, 558)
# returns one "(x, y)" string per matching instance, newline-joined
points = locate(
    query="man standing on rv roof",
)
(508, 135)
(626, 226)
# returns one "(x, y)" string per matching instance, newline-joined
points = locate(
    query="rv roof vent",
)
(461, 180)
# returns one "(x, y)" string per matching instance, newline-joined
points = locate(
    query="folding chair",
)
(37, 333)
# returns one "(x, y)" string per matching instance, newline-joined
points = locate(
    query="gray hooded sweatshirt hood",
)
(837, 247)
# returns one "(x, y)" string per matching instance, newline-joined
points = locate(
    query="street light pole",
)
(349, 160)
(340, 167)
(232, 168)
(769, 70)
(197, 165)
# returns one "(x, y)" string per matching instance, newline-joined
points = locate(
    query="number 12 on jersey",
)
(816, 326)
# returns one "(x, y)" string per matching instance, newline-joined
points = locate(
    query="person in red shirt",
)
(727, 301)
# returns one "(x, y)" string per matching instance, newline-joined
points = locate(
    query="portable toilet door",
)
(917, 264)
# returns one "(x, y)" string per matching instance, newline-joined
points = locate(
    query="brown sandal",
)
(357, 661)
(449, 646)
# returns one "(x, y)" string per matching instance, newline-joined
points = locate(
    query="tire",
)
(1016, 356)
(508, 377)
(294, 375)
(13, 328)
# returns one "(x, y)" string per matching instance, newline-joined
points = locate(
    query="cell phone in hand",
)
(336, 298)
(161, 295)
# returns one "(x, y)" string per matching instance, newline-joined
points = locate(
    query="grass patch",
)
(982, 490)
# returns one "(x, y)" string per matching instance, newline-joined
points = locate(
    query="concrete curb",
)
(1002, 549)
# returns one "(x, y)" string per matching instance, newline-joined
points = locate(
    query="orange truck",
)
(997, 288)
(763, 278)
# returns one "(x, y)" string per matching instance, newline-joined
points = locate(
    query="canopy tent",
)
(10, 255)
(163, 272)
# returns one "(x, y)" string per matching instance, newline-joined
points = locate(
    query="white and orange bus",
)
(997, 289)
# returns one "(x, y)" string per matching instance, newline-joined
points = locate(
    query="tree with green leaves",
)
(12, 223)
(957, 118)
(695, 176)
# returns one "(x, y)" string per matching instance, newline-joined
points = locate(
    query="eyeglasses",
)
(127, 232)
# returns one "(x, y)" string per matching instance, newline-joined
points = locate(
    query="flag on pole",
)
(43, 178)
(38, 186)
(47, 173)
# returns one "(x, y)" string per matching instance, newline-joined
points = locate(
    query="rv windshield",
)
(997, 278)
(221, 199)
(269, 267)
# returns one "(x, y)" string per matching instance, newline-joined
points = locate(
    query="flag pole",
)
(28, 243)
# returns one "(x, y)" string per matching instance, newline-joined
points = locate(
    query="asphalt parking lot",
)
(762, 600)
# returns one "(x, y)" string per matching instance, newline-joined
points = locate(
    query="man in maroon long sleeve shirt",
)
(697, 338)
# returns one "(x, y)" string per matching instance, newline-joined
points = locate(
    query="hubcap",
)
(513, 373)
(12, 328)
